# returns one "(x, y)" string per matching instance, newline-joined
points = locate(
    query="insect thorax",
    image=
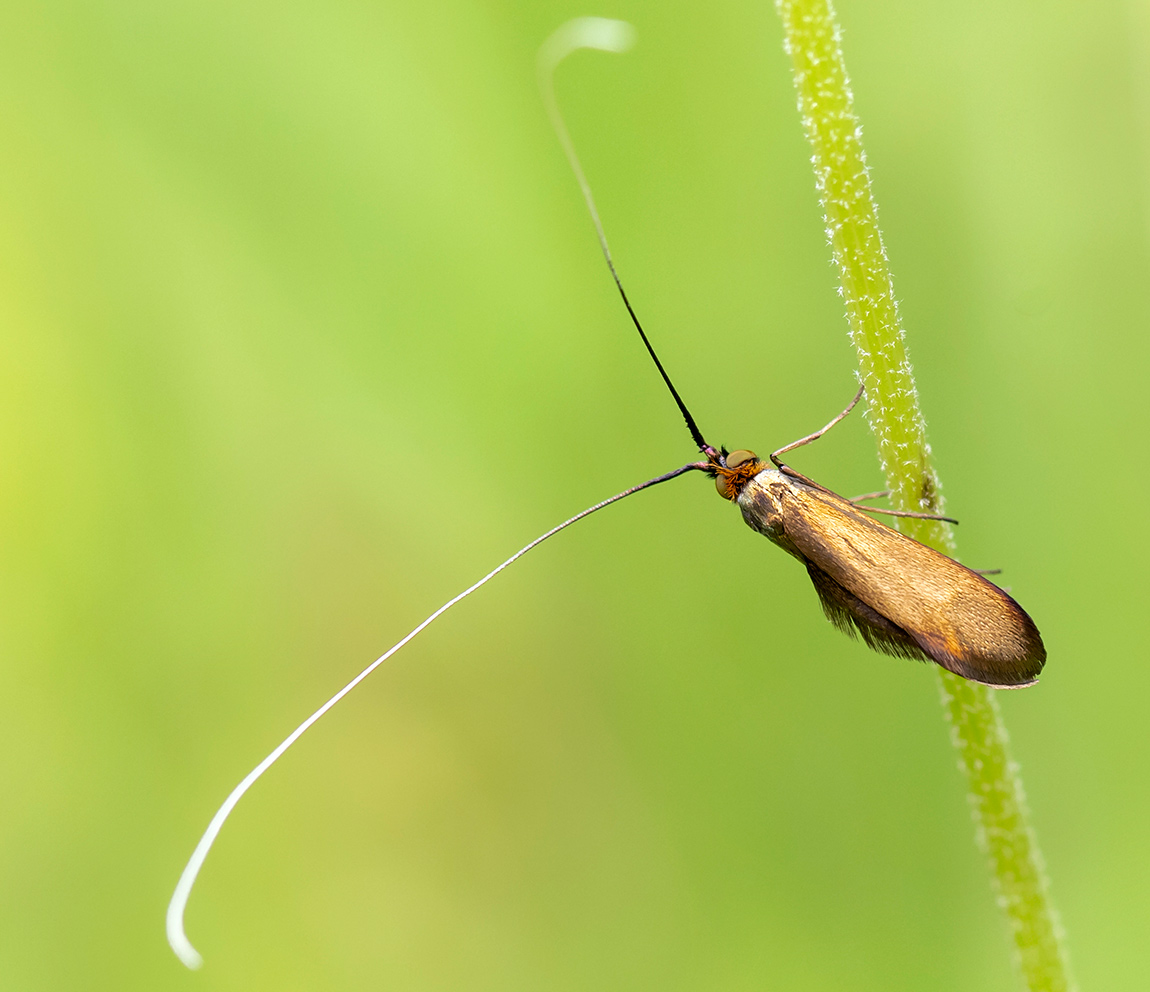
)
(761, 500)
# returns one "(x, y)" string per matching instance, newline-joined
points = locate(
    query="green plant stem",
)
(995, 788)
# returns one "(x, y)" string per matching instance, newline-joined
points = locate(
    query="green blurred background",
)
(305, 328)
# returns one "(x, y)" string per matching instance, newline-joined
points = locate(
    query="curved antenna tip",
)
(601, 33)
(182, 948)
(174, 920)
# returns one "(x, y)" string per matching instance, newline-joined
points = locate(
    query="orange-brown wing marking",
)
(953, 615)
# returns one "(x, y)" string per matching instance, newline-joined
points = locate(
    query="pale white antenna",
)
(601, 34)
(177, 938)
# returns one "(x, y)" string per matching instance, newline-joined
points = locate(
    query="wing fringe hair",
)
(855, 618)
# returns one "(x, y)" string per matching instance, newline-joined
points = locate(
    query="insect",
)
(900, 596)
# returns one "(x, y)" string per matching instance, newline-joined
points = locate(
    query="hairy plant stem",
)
(995, 788)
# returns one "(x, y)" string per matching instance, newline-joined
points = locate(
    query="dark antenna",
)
(608, 36)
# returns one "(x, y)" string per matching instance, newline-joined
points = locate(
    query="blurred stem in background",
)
(996, 794)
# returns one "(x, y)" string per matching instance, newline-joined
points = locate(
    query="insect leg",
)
(909, 513)
(817, 434)
(866, 496)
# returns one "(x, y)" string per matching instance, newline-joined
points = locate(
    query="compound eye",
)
(737, 458)
(722, 484)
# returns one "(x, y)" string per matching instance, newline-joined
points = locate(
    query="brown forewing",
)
(903, 597)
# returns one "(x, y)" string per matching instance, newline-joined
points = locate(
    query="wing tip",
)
(1000, 671)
